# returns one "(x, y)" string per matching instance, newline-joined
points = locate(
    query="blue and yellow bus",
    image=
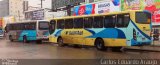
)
(116, 29)
(37, 30)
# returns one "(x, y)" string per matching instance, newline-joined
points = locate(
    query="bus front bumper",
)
(141, 43)
(43, 38)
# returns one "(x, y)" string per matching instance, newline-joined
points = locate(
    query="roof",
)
(27, 21)
(120, 12)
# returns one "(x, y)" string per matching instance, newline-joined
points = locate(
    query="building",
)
(4, 8)
(17, 8)
(39, 4)
(41, 9)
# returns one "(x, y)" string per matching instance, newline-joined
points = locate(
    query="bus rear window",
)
(43, 25)
(143, 17)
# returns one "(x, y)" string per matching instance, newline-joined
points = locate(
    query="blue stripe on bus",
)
(109, 33)
(31, 35)
(91, 31)
(148, 37)
(58, 33)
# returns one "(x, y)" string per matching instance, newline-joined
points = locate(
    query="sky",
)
(36, 3)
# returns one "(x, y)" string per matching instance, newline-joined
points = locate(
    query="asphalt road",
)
(19, 50)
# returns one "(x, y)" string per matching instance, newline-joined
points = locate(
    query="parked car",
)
(1, 33)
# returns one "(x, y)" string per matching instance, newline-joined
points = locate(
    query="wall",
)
(4, 6)
(16, 9)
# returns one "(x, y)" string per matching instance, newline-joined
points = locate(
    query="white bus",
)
(28, 31)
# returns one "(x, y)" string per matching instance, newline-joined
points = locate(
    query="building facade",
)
(4, 6)
(17, 8)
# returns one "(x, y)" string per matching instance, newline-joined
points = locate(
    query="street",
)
(88, 32)
(19, 50)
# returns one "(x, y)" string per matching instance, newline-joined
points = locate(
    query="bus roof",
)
(28, 21)
(120, 12)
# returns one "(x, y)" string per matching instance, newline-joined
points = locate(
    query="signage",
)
(103, 7)
(153, 6)
(61, 3)
(108, 6)
(98, 8)
(34, 15)
(131, 4)
(84, 9)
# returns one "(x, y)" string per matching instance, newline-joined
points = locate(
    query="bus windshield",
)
(143, 17)
(44, 25)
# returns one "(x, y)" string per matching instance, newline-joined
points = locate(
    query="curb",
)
(134, 49)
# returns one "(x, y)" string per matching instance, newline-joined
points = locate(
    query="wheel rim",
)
(99, 44)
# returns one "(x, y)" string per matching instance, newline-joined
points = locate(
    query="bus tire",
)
(99, 43)
(10, 38)
(25, 39)
(60, 42)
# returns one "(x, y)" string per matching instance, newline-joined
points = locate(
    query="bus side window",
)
(88, 22)
(14, 27)
(33, 26)
(68, 23)
(109, 21)
(98, 22)
(123, 20)
(78, 23)
(23, 26)
(60, 24)
(26, 26)
(20, 26)
(10, 27)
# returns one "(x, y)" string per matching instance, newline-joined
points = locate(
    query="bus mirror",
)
(52, 22)
(52, 26)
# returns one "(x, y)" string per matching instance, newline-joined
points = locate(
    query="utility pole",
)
(42, 3)
(68, 7)
(19, 15)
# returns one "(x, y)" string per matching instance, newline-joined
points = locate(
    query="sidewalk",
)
(155, 47)
(156, 43)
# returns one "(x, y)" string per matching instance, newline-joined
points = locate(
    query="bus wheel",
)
(60, 42)
(25, 39)
(10, 38)
(99, 43)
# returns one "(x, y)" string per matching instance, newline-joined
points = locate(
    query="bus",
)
(28, 31)
(115, 30)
